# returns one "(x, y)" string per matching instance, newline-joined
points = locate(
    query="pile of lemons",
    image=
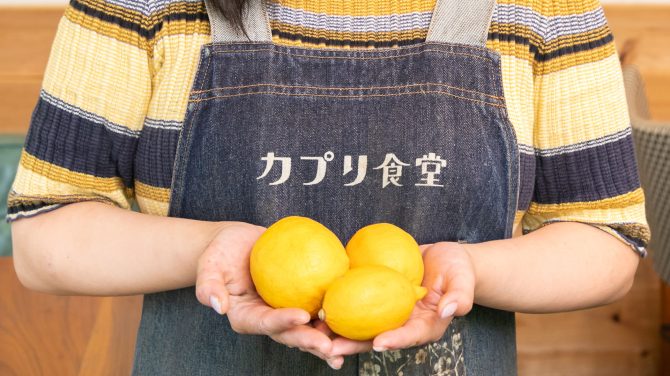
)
(367, 288)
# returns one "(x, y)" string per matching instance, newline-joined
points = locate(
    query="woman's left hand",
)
(450, 279)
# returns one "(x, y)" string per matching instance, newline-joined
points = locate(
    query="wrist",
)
(469, 250)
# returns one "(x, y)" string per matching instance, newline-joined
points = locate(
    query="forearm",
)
(560, 267)
(93, 248)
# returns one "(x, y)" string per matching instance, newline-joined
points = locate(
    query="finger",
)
(335, 362)
(323, 328)
(415, 332)
(256, 317)
(423, 247)
(278, 320)
(307, 338)
(344, 346)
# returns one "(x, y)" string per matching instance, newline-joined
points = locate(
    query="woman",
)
(462, 122)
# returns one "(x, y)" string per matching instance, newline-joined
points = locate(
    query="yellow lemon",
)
(369, 300)
(388, 245)
(294, 261)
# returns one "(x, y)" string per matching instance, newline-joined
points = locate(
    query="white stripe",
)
(163, 124)
(113, 127)
(584, 145)
(549, 28)
(526, 149)
(148, 7)
(356, 24)
(30, 213)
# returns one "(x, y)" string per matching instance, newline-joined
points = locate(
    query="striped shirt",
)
(116, 87)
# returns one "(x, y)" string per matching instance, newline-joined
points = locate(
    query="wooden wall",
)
(48, 335)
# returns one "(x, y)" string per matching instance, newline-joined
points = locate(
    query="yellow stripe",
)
(378, 36)
(521, 51)
(184, 29)
(131, 37)
(358, 7)
(517, 85)
(37, 175)
(150, 192)
(385, 7)
(576, 105)
(175, 78)
(555, 7)
(635, 213)
(622, 201)
(554, 44)
(99, 74)
(299, 43)
(108, 8)
(576, 59)
(153, 207)
(105, 28)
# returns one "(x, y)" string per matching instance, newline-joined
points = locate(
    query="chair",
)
(652, 148)
(10, 152)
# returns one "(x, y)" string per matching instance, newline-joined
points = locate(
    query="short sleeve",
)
(93, 101)
(585, 162)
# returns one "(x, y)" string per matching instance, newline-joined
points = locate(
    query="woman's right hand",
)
(224, 283)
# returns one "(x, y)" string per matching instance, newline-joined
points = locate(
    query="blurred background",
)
(49, 335)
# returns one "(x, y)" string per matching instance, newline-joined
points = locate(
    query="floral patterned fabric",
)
(441, 358)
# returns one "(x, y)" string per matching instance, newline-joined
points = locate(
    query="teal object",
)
(10, 153)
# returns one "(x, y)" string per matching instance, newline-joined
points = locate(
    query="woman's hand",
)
(224, 283)
(450, 279)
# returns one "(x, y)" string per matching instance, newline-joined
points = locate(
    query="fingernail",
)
(379, 348)
(449, 310)
(215, 303)
(332, 364)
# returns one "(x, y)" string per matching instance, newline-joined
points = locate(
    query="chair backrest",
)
(652, 148)
(10, 152)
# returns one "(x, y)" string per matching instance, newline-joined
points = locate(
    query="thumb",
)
(211, 291)
(458, 297)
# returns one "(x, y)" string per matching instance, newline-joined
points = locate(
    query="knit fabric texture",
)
(116, 87)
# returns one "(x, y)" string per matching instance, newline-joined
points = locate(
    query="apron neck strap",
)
(461, 22)
(254, 19)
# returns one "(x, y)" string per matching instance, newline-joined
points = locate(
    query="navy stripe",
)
(155, 156)
(527, 181)
(591, 174)
(544, 57)
(20, 207)
(148, 33)
(80, 145)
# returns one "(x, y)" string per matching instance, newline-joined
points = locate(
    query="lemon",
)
(294, 261)
(369, 300)
(388, 245)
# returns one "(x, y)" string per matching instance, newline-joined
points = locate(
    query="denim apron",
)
(417, 136)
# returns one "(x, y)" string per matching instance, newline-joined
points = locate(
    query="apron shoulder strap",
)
(254, 19)
(461, 22)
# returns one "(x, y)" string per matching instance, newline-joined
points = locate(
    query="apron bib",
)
(416, 136)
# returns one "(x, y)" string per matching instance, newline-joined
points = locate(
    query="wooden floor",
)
(53, 335)
(47, 335)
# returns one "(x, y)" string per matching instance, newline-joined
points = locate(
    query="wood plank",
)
(44, 334)
(26, 34)
(665, 322)
(18, 97)
(111, 347)
(624, 334)
(646, 29)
